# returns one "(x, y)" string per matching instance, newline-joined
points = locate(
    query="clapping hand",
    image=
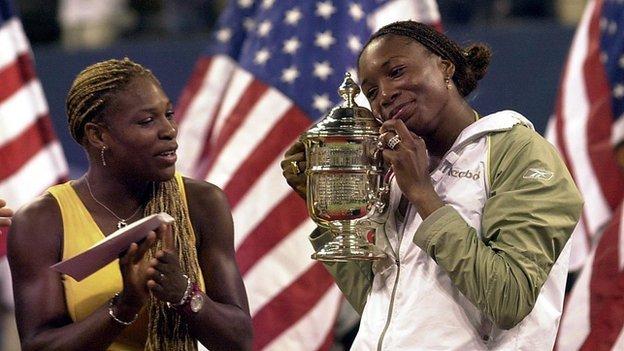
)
(166, 280)
(5, 214)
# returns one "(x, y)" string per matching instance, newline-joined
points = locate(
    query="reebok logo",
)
(458, 173)
(538, 174)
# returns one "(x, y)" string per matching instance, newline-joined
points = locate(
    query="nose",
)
(388, 94)
(168, 129)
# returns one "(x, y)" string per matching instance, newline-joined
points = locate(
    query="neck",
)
(122, 194)
(454, 118)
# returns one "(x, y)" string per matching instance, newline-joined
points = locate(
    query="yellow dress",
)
(82, 298)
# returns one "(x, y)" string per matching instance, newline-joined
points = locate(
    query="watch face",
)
(197, 302)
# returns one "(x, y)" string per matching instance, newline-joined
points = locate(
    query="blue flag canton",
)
(302, 48)
(6, 11)
(612, 51)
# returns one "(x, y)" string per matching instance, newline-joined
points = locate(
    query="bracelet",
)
(111, 313)
(187, 294)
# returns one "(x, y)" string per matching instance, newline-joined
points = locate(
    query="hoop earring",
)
(102, 155)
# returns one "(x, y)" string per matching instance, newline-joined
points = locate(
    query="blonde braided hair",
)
(92, 92)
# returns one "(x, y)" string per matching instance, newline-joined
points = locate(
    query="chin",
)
(164, 175)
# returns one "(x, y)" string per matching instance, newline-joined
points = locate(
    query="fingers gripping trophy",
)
(346, 180)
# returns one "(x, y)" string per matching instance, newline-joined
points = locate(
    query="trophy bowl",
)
(347, 191)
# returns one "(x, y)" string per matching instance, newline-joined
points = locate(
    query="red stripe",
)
(283, 133)
(606, 286)
(234, 120)
(17, 152)
(282, 220)
(3, 240)
(292, 304)
(600, 119)
(193, 87)
(16, 75)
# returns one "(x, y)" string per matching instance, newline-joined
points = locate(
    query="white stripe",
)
(192, 131)
(425, 11)
(617, 131)
(311, 330)
(579, 249)
(30, 181)
(575, 323)
(575, 112)
(20, 111)
(276, 270)
(266, 193)
(257, 124)
(240, 82)
(12, 41)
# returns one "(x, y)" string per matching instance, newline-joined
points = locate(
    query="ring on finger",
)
(393, 142)
(295, 167)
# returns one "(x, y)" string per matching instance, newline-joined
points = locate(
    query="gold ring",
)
(295, 167)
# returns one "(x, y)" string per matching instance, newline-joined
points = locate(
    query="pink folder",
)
(109, 248)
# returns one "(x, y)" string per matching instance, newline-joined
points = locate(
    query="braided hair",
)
(470, 63)
(93, 91)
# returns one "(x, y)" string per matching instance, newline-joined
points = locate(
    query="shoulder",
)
(203, 194)
(37, 227)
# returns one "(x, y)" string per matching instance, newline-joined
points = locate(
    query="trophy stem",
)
(347, 246)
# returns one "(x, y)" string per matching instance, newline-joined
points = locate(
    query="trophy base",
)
(348, 248)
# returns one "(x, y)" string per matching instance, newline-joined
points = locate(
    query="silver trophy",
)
(347, 187)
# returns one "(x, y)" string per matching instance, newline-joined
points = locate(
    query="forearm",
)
(220, 326)
(96, 332)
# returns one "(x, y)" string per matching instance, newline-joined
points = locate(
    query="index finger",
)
(397, 126)
(166, 234)
(296, 148)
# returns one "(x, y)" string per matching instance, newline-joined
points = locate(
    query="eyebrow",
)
(383, 65)
(154, 108)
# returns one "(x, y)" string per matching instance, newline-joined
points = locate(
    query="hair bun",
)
(478, 58)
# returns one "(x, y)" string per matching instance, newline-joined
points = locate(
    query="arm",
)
(525, 226)
(43, 322)
(354, 278)
(224, 322)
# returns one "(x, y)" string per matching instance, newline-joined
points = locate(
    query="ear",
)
(94, 135)
(447, 67)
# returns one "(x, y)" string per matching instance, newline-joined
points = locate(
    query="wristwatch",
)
(197, 299)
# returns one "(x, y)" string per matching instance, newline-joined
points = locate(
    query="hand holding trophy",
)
(346, 185)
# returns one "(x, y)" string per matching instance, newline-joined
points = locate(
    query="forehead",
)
(388, 47)
(139, 93)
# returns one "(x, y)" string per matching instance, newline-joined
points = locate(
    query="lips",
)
(399, 112)
(168, 155)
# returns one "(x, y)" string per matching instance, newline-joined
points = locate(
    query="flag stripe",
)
(295, 250)
(254, 92)
(600, 119)
(290, 305)
(21, 110)
(300, 337)
(17, 152)
(606, 286)
(12, 41)
(15, 75)
(193, 87)
(271, 148)
(263, 238)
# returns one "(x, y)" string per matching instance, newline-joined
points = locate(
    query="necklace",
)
(122, 222)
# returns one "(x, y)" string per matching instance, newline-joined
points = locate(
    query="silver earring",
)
(102, 155)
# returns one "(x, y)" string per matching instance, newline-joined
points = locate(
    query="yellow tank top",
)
(82, 298)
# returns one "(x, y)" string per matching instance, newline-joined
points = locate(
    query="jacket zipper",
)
(396, 279)
(390, 308)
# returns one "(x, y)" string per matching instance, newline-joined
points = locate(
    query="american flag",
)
(589, 112)
(274, 68)
(31, 158)
(589, 122)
